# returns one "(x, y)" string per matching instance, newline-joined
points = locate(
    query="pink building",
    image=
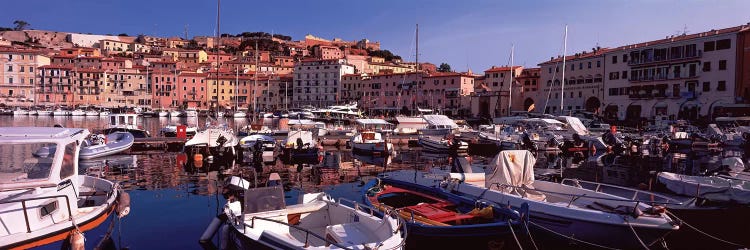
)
(192, 91)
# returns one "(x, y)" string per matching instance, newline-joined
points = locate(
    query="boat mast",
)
(236, 82)
(416, 59)
(562, 87)
(510, 86)
(218, 62)
(255, 84)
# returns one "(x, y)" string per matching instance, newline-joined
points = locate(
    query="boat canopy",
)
(440, 121)
(575, 124)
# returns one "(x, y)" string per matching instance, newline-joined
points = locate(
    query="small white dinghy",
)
(316, 222)
(713, 188)
(96, 146)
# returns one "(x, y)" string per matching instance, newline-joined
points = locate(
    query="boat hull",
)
(373, 148)
(121, 141)
(499, 228)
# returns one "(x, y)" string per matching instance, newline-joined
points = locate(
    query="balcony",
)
(661, 77)
(688, 56)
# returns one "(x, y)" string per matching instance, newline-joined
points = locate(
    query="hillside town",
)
(689, 76)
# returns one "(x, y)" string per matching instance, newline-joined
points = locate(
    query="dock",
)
(159, 143)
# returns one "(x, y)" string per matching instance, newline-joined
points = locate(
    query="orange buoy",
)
(198, 160)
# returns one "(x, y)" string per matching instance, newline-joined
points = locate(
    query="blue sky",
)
(465, 34)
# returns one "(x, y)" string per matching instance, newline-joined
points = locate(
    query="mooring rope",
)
(634, 233)
(530, 237)
(702, 232)
(510, 225)
(571, 238)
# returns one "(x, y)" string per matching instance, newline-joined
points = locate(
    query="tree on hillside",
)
(122, 34)
(385, 54)
(444, 67)
(20, 24)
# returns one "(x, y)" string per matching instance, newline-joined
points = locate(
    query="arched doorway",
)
(610, 112)
(593, 104)
(528, 103)
(689, 110)
(633, 113)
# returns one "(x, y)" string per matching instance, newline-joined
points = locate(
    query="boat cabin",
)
(377, 125)
(127, 121)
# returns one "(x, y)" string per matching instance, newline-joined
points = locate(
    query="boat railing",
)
(307, 232)
(654, 198)
(25, 208)
(387, 211)
(575, 197)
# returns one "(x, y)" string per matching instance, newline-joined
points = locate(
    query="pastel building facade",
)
(18, 75)
(318, 82)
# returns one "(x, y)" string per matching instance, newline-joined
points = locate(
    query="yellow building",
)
(114, 47)
(18, 75)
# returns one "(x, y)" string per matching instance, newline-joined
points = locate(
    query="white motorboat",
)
(239, 114)
(96, 146)
(250, 145)
(44, 198)
(713, 188)
(442, 144)
(318, 127)
(371, 142)
(104, 113)
(315, 222)
(33, 112)
(60, 112)
(78, 112)
(580, 213)
(126, 123)
(299, 145)
(191, 112)
(20, 112)
(176, 113)
(220, 114)
(44, 112)
(92, 113)
(214, 137)
(171, 130)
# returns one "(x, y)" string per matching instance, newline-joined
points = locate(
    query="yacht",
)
(78, 112)
(176, 113)
(191, 112)
(61, 112)
(370, 139)
(44, 112)
(92, 113)
(163, 113)
(126, 123)
(44, 198)
(104, 113)
(20, 112)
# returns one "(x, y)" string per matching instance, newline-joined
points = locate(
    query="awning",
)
(660, 105)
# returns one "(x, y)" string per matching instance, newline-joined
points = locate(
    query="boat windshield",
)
(264, 199)
(27, 162)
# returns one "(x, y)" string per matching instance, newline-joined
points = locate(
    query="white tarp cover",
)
(411, 122)
(513, 168)
(708, 187)
(306, 136)
(372, 122)
(440, 121)
(576, 125)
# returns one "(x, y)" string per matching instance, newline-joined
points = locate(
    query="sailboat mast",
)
(255, 76)
(510, 86)
(218, 62)
(562, 87)
(236, 83)
(416, 59)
